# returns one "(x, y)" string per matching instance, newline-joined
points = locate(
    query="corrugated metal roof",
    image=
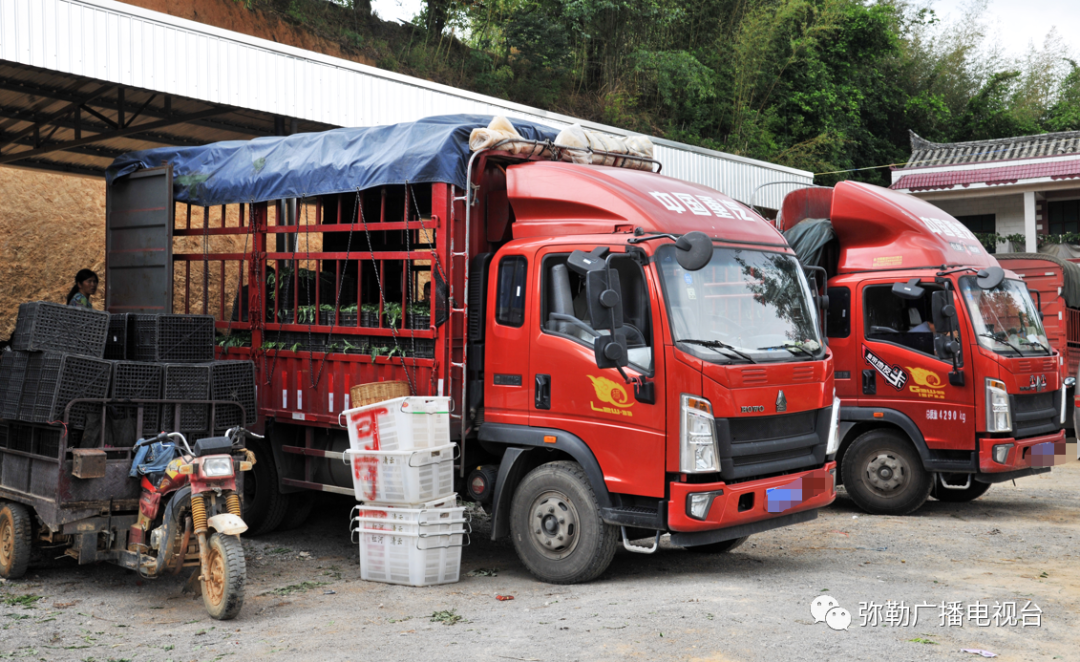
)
(250, 81)
(990, 176)
(929, 154)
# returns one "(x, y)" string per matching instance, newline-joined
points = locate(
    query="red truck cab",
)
(719, 421)
(943, 368)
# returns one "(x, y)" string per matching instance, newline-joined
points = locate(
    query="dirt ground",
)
(305, 600)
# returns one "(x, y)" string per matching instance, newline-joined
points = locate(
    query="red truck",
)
(1056, 284)
(627, 354)
(945, 374)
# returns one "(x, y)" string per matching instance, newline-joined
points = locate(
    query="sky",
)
(1016, 22)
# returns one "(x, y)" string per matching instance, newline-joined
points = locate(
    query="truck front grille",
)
(1035, 414)
(758, 446)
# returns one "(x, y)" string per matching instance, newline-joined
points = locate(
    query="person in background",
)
(86, 282)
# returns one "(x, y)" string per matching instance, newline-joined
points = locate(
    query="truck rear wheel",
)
(300, 506)
(717, 547)
(884, 475)
(970, 493)
(264, 504)
(556, 526)
(15, 544)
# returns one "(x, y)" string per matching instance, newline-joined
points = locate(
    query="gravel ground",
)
(305, 599)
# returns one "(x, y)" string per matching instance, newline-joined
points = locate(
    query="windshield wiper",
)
(1003, 342)
(791, 347)
(1025, 341)
(716, 346)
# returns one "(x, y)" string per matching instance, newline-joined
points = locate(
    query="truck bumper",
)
(750, 503)
(1020, 454)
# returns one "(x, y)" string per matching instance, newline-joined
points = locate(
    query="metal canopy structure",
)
(78, 125)
(82, 81)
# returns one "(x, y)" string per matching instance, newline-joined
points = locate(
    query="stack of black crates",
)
(64, 353)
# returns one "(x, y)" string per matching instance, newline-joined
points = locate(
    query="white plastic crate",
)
(401, 424)
(410, 558)
(421, 521)
(402, 477)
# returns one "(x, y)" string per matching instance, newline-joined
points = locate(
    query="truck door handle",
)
(543, 391)
(869, 382)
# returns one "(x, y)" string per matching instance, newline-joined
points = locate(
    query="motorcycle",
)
(192, 492)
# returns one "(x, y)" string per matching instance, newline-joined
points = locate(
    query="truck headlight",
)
(834, 425)
(697, 436)
(217, 467)
(998, 413)
(1001, 452)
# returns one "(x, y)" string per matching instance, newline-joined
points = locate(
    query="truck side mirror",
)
(693, 250)
(909, 290)
(610, 351)
(946, 347)
(990, 277)
(603, 292)
(943, 311)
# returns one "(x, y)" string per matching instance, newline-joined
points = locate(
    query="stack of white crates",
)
(410, 527)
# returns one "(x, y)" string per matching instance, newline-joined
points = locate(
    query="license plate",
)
(785, 497)
(1046, 454)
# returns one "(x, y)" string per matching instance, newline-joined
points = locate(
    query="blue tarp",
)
(434, 149)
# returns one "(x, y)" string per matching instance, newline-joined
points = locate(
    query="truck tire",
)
(717, 547)
(973, 491)
(884, 474)
(300, 506)
(556, 526)
(15, 547)
(264, 505)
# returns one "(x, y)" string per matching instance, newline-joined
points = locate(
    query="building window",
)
(981, 223)
(1064, 216)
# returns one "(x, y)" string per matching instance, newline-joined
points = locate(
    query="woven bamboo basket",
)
(362, 395)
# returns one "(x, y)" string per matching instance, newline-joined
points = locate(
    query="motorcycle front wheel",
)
(224, 577)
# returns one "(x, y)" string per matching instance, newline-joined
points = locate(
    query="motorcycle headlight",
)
(834, 425)
(998, 412)
(697, 436)
(217, 467)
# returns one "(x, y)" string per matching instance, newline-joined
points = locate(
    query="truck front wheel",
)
(556, 526)
(884, 474)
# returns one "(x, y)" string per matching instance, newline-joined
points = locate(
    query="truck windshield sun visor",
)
(742, 306)
(1004, 317)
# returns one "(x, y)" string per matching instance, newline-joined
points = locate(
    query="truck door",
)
(900, 371)
(570, 393)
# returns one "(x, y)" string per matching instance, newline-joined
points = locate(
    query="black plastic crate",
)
(233, 381)
(187, 382)
(15, 363)
(172, 338)
(44, 326)
(42, 374)
(138, 381)
(22, 438)
(61, 378)
(47, 441)
(116, 344)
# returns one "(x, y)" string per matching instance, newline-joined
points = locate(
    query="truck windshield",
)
(1005, 319)
(745, 306)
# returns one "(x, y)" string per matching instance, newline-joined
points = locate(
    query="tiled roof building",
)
(1022, 185)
